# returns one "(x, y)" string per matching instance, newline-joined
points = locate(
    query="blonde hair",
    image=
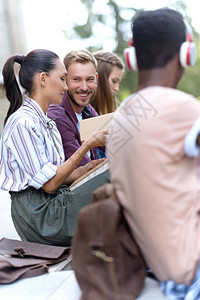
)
(80, 56)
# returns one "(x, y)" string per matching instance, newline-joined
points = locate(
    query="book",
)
(97, 170)
(90, 125)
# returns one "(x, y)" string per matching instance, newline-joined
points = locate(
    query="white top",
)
(30, 149)
(79, 117)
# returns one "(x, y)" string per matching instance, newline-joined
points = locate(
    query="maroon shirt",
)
(66, 121)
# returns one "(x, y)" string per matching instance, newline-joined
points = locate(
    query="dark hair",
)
(36, 61)
(157, 37)
(103, 101)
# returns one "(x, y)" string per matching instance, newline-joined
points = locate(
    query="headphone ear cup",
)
(187, 54)
(130, 58)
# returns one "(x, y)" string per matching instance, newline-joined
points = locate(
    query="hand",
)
(92, 164)
(98, 138)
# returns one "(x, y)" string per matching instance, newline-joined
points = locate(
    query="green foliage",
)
(122, 33)
(118, 18)
(85, 31)
(128, 84)
(190, 81)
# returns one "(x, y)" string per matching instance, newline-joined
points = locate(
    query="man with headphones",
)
(157, 174)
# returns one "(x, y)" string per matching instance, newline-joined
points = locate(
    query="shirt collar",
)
(37, 108)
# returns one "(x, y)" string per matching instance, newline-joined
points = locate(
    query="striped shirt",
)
(30, 149)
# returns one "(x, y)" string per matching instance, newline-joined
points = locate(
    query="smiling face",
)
(82, 83)
(114, 79)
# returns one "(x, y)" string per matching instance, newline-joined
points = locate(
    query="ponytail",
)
(11, 87)
(38, 60)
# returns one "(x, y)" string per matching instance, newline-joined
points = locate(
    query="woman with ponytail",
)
(12, 90)
(32, 164)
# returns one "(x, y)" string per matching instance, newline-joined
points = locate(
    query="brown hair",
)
(104, 102)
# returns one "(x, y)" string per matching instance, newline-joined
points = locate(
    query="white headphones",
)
(187, 52)
(130, 57)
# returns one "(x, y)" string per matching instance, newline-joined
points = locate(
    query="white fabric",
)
(29, 152)
(79, 117)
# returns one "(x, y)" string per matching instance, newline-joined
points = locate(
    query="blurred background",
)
(61, 26)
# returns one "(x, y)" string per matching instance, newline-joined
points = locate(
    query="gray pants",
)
(51, 218)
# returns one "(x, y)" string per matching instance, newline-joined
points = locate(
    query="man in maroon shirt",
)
(82, 82)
